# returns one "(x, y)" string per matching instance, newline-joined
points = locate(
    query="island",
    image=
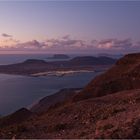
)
(59, 56)
(36, 67)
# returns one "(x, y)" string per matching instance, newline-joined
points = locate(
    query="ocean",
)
(23, 91)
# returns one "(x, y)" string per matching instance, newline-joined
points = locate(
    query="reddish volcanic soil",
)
(124, 75)
(112, 116)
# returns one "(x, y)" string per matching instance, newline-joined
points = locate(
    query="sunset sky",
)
(68, 26)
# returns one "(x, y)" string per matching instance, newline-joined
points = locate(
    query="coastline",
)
(60, 73)
(35, 88)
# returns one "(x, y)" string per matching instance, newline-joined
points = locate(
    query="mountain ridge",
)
(113, 80)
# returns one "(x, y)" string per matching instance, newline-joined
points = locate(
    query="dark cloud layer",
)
(6, 35)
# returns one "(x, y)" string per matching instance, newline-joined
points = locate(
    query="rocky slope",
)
(111, 116)
(17, 117)
(124, 75)
(55, 99)
(107, 108)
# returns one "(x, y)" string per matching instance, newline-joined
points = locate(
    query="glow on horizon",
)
(85, 20)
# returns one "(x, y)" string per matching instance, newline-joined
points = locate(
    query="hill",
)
(124, 75)
(55, 99)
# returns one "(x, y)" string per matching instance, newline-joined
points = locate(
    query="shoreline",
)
(46, 78)
(57, 73)
(60, 73)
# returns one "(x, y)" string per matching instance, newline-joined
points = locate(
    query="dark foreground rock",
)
(111, 116)
(17, 117)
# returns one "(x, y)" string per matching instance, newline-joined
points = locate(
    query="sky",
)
(69, 26)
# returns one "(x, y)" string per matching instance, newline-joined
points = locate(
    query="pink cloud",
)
(67, 43)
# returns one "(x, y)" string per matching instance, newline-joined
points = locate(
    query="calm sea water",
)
(21, 91)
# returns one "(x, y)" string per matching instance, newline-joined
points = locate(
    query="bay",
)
(21, 91)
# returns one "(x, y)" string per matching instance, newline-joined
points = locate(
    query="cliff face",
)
(108, 107)
(124, 75)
